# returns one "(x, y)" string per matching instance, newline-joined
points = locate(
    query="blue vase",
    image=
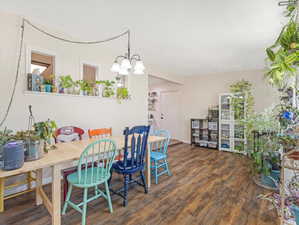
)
(13, 155)
(48, 88)
(295, 212)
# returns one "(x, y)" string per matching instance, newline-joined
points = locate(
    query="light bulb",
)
(138, 72)
(115, 67)
(123, 71)
(139, 65)
(125, 63)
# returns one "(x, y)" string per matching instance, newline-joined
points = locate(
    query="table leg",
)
(148, 166)
(39, 183)
(56, 195)
(2, 180)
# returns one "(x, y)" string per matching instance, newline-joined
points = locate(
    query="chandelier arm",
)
(135, 57)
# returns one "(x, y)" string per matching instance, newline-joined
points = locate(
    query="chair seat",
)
(119, 167)
(101, 178)
(158, 156)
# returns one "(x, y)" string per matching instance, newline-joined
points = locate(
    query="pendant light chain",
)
(127, 32)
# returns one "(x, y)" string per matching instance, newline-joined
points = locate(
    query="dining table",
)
(55, 159)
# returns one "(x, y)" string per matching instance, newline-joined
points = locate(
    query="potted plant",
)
(108, 88)
(45, 131)
(11, 151)
(48, 85)
(85, 87)
(295, 210)
(263, 151)
(66, 83)
(33, 144)
(5, 137)
(122, 93)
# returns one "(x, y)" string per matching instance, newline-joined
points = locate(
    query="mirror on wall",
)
(90, 72)
(42, 63)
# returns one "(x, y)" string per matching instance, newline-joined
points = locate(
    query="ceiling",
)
(193, 37)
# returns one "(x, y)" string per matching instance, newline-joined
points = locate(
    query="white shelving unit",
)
(231, 134)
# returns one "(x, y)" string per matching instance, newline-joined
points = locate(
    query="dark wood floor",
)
(207, 188)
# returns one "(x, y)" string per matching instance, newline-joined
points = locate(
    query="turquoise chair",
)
(101, 154)
(159, 163)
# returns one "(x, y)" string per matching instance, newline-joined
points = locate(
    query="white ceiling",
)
(191, 37)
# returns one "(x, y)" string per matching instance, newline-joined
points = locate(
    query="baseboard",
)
(23, 187)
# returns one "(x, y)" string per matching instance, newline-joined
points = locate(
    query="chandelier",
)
(125, 64)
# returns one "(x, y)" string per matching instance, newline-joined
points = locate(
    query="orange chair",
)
(100, 133)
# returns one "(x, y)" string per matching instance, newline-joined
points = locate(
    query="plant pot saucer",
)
(258, 182)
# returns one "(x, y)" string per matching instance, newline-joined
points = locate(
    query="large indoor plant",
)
(264, 150)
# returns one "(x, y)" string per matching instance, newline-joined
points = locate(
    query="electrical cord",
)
(127, 32)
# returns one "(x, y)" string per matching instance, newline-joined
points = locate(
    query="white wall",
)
(201, 92)
(84, 112)
(172, 92)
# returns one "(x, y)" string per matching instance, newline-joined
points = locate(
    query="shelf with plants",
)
(66, 86)
(231, 134)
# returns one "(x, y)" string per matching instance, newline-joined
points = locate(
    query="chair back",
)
(161, 146)
(100, 133)
(135, 146)
(98, 158)
(68, 130)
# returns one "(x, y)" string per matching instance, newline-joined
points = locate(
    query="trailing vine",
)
(242, 104)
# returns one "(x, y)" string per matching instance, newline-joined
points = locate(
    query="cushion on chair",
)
(73, 178)
(158, 156)
(119, 167)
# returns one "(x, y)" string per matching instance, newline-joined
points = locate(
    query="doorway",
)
(164, 106)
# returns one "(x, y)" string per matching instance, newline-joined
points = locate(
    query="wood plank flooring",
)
(207, 188)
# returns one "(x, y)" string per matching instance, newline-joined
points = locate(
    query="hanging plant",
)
(283, 55)
(122, 93)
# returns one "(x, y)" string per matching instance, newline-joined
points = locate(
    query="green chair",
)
(101, 154)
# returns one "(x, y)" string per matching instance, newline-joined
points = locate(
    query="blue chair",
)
(133, 161)
(90, 175)
(159, 163)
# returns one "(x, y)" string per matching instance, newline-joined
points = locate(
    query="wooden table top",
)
(66, 152)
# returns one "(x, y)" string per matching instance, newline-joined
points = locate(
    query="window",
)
(42, 64)
(90, 72)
